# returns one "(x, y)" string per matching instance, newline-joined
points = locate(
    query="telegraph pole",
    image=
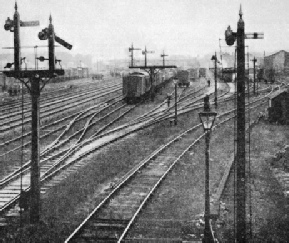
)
(254, 63)
(230, 37)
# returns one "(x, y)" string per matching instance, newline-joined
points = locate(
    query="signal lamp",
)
(9, 65)
(229, 36)
(41, 59)
(9, 25)
(43, 35)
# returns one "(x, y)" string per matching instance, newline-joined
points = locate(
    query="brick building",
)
(278, 107)
(277, 63)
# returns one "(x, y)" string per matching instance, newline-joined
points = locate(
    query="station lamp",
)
(207, 119)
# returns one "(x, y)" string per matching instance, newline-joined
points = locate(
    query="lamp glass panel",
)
(208, 120)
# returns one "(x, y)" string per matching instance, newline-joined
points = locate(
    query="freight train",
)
(203, 72)
(183, 78)
(194, 74)
(72, 74)
(137, 85)
(97, 76)
(229, 75)
(10, 85)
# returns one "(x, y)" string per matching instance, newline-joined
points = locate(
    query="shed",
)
(278, 110)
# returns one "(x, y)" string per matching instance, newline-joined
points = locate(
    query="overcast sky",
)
(106, 28)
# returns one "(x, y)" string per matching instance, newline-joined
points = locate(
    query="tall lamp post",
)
(207, 119)
(176, 101)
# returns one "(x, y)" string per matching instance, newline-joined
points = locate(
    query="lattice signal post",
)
(230, 37)
(35, 78)
(145, 52)
(163, 56)
(131, 49)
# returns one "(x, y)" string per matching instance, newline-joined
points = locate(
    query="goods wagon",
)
(168, 74)
(183, 77)
(269, 75)
(193, 74)
(203, 72)
(158, 79)
(72, 74)
(10, 85)
(135, 87)
(229, 75)
(260, 74)
(2, 81)
(97, 76)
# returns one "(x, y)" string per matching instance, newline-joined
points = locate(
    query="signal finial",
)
(15, 6)
(50, 19)
(241, 12)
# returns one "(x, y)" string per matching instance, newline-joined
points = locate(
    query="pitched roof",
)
(274, 54)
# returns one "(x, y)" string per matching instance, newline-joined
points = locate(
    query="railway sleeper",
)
(105, 222)
(121, 211)
(3, 223)
(140, 187)
(8, 191)
(154, 232)
(104, 229)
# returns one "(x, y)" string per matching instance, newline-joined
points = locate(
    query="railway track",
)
(26, 180)
(13, 121)
(52, 94)
(52, 158)
(114, 216)
(61, 169)
(50, 132)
